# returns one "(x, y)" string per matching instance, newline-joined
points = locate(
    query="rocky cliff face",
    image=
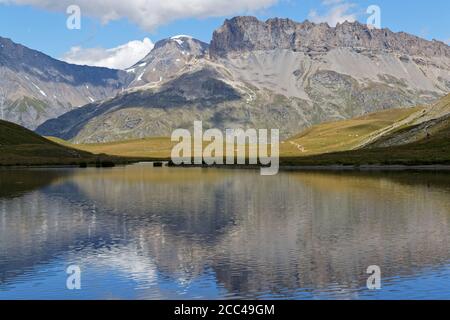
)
(249, 34)
(35, 87)
(275, 74)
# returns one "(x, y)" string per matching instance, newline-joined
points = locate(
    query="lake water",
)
(139, 232)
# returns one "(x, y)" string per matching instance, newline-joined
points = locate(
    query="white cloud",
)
(150, 14)
(338, 11)
(120, 57)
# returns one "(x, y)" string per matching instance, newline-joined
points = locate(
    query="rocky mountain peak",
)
(184, 43)
(242, 34)
(167, 58)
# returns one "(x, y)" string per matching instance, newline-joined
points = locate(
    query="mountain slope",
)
(279, 74)
(434, 150)
(35, 87)
(389, 128)
(431, 122)
(343, 135)
(345, 71)
(136, 113)
(417, 136)
(20, 146)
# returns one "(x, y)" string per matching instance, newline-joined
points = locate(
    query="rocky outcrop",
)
(249, 34)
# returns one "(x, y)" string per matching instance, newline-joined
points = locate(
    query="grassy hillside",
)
(159, 148)
(432, 147)
(20, 146)
(432, 150)
(344, 135)
(418, 136)
(429, 123)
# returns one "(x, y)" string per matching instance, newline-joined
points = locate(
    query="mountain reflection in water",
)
(139, 232)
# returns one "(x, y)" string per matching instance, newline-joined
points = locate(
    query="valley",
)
(359, 141)
(339, 95)
(411, 136)
(264, 74)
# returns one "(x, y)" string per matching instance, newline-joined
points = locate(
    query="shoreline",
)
(433, 167)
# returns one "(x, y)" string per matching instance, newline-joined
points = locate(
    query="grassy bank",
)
(430, 151)
(148, 148)
(344, 135)
(22, 147)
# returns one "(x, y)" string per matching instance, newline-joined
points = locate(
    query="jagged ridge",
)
(249, 34)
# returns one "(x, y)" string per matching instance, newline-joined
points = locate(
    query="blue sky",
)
(43, 26)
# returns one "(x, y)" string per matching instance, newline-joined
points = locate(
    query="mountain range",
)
(35, 87)
(260, 74)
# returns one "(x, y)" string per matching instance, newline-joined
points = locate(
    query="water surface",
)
(139, 232)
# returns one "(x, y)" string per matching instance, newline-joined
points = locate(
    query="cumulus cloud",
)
(338, 11)
(120, 57)
(150, 14)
